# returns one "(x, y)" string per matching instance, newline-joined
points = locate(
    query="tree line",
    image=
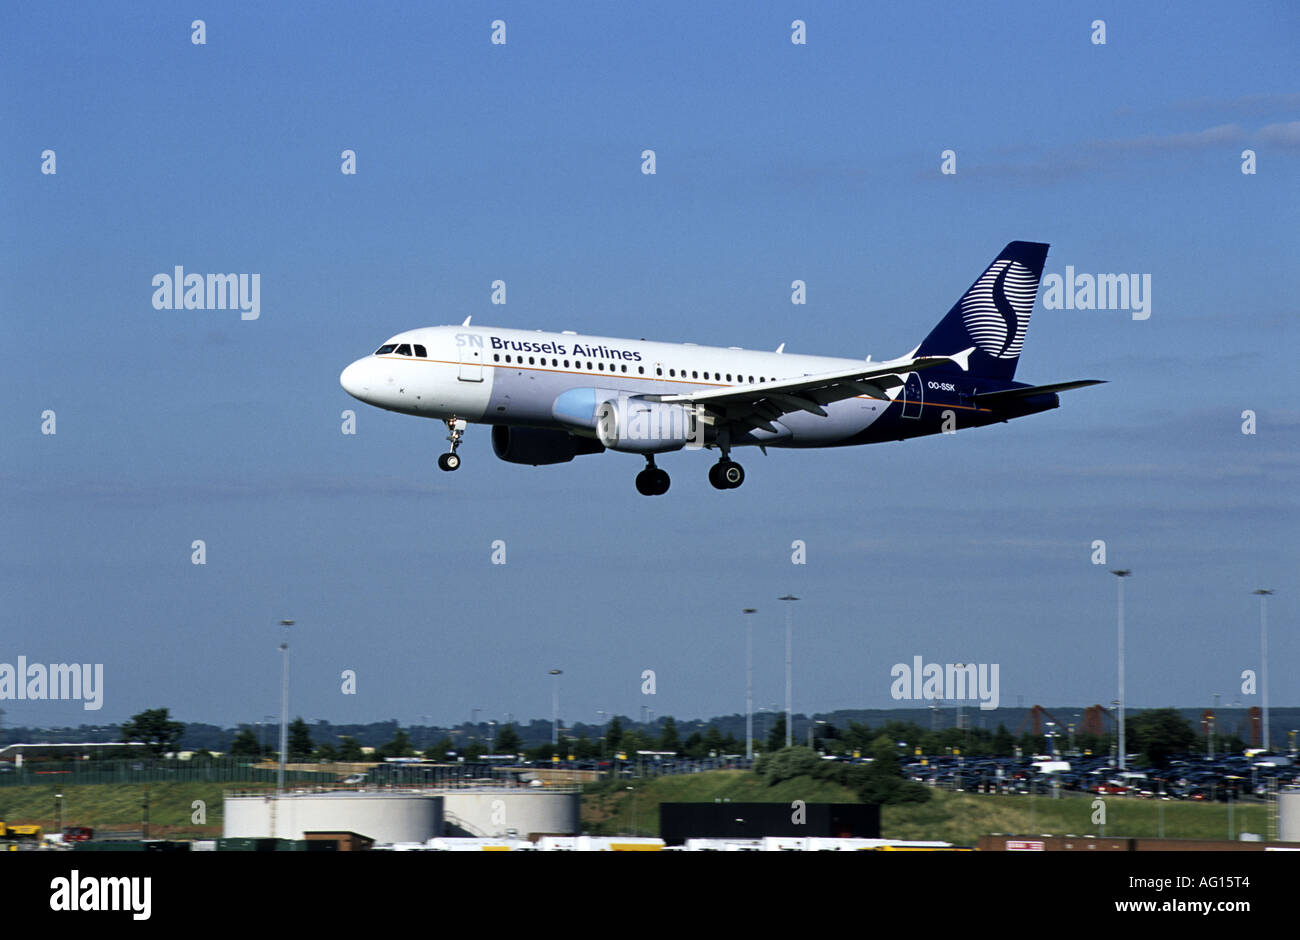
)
(1155, 734)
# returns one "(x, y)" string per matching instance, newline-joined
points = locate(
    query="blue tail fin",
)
(993, 314)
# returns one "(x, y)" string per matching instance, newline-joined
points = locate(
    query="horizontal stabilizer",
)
(1011, 394)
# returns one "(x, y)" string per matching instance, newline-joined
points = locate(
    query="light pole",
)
(555, 707)
(1114, 712)
(1214, 716)
(1121, 574)
(1263, 655)
(763, 708)
(749, 683)
(284, 706)
(789, 717)
(960, 717)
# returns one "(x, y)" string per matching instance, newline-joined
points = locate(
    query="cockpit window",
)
(386, 349)
(404, 349)
(421, 351)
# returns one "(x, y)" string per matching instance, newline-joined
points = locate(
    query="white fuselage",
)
(504, 376)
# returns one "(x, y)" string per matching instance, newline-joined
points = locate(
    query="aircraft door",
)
(470, 347)
(913, 396)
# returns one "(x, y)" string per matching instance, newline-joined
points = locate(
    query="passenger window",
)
(496, 357)
(421, 352)
(624, 367)
(695, 374)
(728, 376)
(531, 362)
(566, 363)
(641, 370)
(659, 370)
(673, 373)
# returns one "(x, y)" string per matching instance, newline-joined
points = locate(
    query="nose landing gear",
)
(451, 460)
(652, 481)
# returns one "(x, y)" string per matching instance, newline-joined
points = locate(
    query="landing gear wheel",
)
(726, 474)
(450, 461)
(652, 481)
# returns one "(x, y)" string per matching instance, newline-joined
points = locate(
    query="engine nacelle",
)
(539, 446)
(635, 426)
(629, 423)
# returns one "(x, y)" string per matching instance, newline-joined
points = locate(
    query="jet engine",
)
(538, 446)
(629, 423)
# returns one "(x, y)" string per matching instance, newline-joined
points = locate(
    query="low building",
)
(679, 822)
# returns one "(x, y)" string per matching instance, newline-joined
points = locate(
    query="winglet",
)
(963, 358)
(781, 348)
(467, 319)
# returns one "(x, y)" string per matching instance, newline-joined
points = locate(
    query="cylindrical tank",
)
(384, 817)
(1288, 815)
(501, 813)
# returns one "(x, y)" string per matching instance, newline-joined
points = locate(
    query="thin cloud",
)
(1242, 105)
(1158, 143)
(1095, 155)
(126, 492)
(1281, 135)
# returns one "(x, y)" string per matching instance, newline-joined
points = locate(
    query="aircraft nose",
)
(353, 379)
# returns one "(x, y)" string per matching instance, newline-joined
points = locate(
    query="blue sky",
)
(522, 162)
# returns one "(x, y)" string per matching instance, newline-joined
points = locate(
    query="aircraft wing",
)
(763, 403)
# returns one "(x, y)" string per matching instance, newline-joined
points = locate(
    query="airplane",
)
(550, 397)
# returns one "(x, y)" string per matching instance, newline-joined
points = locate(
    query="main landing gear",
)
(451, 459)
(726, 474)
(652, 481)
